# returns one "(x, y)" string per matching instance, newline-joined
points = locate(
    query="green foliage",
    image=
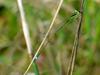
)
(54, 56)
(35, 68)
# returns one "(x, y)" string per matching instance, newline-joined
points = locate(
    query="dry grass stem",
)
(76, 43)
(25, 27)
(44, 40)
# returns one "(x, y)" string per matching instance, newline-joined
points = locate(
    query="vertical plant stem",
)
(35, 67)
(25, 27)
(26, 34)
(76, 42)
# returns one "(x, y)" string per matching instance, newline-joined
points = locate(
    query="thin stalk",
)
(26, 34)
(25, 27)
(44, 40)
(35, 68)
(76, 43)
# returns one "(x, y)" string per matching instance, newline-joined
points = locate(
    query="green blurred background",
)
(55, 56)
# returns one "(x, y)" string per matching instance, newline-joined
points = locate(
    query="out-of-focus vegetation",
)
(54, 57)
